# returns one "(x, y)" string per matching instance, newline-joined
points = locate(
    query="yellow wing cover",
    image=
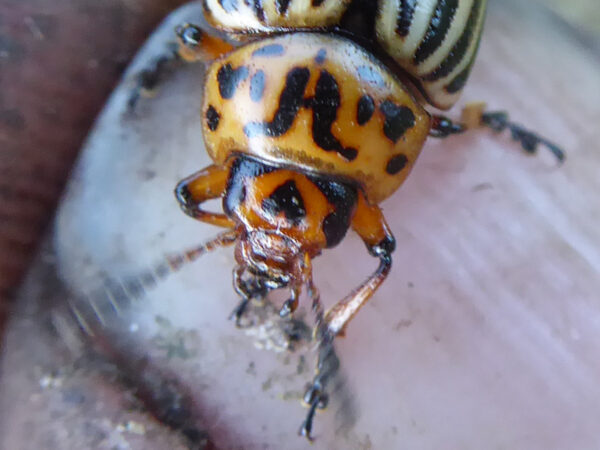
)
(317, 103)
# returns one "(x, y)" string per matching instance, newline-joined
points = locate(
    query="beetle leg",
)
(290, 305)
(153, 74)
(195, 44)
(192, 45)
(257, 287)
(247, 289)
(475, 116)
(328, 363)
(369, 223)
(371, 226)
(316, 396)
(206, 184)
(297, 279)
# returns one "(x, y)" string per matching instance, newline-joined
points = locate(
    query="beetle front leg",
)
(371, 226)
(474, 116)
(192, 45)
(207, 184)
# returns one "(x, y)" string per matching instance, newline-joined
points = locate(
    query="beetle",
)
(313, 114)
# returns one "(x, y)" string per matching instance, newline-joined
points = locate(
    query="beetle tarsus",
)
(289, 306)
(247, 289)
(237, 314)
(306, 427)
(498, 121)
(328, 365)
(149, 78)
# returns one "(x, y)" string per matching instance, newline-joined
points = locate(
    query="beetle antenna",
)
(114, 295)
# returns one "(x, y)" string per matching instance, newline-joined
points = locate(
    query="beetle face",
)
(283, 214)
(270, 255)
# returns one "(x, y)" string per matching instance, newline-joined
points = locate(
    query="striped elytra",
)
(434, 41)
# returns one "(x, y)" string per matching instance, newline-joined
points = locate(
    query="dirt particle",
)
(404, 323)
(268, 384)
(482, 187)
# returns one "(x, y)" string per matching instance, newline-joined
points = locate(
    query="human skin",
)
(483, 336)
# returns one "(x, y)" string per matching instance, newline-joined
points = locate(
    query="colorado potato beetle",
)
(314, 112)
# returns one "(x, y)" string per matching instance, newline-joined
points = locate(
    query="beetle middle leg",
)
(371, 226)
(192, 44)
(474, 116)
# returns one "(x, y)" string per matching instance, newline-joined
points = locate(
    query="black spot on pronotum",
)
(396, 164)
(369, 74)
(321, 55)
(229, 79)
(334, 229)
(257, 86)
(212, 118)
(269, 50)
(286, 199)
(398, 119)
(290, 101)
(229, 5)
(235, 196)
(365, 109)
(242, 169)
(343, 198)
(325, 105)
(317, 3)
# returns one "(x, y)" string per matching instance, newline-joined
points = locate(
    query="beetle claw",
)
(237, 314)
(288, 308)
(316, 399)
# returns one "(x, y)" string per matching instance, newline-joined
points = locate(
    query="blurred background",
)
(583, 14)
(59, 60)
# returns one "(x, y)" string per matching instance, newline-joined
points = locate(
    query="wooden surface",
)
(485, 336)
(59, 60)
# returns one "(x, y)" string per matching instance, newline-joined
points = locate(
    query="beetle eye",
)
(190, 35)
